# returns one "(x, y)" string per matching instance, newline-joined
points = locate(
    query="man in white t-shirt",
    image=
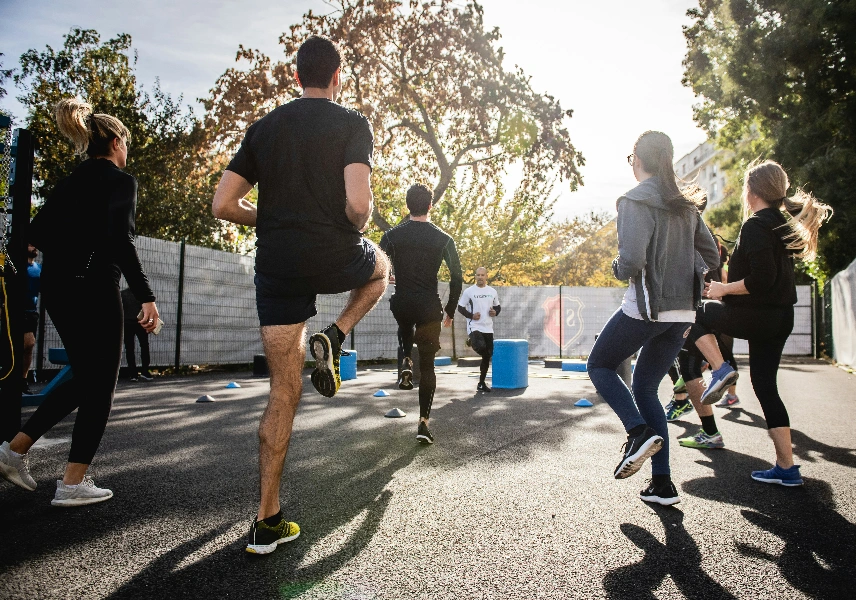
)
(479, 304)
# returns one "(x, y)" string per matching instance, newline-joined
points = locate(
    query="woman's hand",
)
(714, 290)
(150, 316)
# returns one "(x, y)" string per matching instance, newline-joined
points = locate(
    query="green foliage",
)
(777, 79)
(168, 149)
(581, 251)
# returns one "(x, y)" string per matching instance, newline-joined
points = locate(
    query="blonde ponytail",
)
(88, 132)
(804, 213)
(72, 118)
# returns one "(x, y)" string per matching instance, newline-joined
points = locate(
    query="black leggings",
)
(486, 354)
(134, 330)
(88, 318)
(419, 319)
(766, 328)
(690, 359)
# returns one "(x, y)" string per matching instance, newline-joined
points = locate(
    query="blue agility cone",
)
(583, 402)
(381, 394)
(205, 398)
(232, 385)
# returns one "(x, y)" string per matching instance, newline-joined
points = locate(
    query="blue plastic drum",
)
(510, 364)
(348, 365)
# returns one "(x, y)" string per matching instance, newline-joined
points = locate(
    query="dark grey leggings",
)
(419, 318)
(766, 328)
(88, 318)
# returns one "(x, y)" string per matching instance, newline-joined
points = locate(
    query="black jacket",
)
(86, 229)
(763, 262)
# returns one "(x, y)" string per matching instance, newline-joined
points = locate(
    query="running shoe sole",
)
(423, 439)
(71, 502)
(659, 500)
(268, 548)
(406, 382)
(323, 378)
(634, 462)
(12, 475)
(778, 481)
(714, 394)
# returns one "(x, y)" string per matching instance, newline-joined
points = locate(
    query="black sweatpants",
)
(88, 317)
(419, 318)
(766, 328)
(484, 349)
(134, 330)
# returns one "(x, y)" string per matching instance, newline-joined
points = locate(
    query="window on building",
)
(684, 167)
(704, 173)
(713, 190)
(714, 171)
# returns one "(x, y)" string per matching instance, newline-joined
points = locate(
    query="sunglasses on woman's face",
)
(630, 159)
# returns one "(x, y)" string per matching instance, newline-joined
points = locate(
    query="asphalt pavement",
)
(514, 500)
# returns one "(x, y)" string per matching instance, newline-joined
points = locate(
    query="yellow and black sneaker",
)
(265, 538)
(326, 349)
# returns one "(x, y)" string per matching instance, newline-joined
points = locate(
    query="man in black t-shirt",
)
(312, 160)
(417, 249)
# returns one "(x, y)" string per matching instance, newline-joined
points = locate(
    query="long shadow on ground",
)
(187, 471)
(819, 554)
(679, 558)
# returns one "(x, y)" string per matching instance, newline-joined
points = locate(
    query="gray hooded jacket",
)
(663, 251)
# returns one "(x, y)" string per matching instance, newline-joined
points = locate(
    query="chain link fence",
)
(219, 324)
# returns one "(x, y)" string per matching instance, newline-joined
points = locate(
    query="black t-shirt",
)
(297, 154)
(763, 262)
(417, 249)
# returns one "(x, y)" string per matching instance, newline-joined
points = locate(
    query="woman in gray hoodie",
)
(664, 249)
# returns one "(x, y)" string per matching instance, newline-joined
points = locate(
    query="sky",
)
(617, 64)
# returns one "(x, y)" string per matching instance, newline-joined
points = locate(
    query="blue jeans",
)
(660, 344)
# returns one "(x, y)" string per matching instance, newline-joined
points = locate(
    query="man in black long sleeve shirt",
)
(417, 249)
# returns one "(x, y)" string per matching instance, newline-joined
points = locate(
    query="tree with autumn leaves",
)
(445, 111)
(430, 78)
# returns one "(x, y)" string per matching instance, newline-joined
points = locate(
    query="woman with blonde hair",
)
(664, 248)
(758, 302)
(86, 233)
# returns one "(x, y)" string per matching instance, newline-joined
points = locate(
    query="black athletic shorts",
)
(31, 321)
(287, 301)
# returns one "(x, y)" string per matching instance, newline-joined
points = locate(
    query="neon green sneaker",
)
(265, 538)
(703, 441)
(676, 409)
(680, 386)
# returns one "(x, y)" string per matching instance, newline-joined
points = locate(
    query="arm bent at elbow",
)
(229, 203)
(358, 192)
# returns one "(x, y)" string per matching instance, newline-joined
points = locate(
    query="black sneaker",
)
(27, 391)
(405, 382)
(665, 494)
(636, 451)
(423, 434)
(482, 387)
(146, 375)
(326, 350)
(135, 378)
(265, 538)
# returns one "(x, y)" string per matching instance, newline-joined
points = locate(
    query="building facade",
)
(703, 166)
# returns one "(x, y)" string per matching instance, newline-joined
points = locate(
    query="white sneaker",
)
(14, 468)
(86, 492)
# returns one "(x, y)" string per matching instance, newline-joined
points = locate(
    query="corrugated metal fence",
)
(219, 324)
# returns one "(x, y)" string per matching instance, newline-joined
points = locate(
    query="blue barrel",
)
(510, 364)
(348, 365)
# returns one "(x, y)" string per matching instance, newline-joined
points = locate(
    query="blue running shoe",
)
(721, 379)
(787, 477)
